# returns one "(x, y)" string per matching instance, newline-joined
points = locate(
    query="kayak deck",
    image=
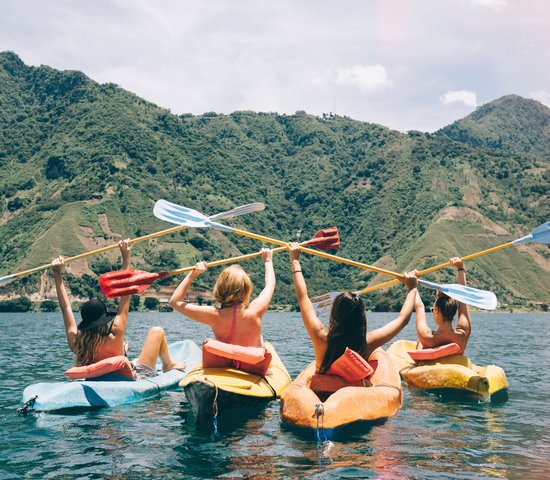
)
(83, 395)
(350, 405)
(451, 375)
(211, 391)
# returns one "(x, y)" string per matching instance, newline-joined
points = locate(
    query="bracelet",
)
(461, 270)
(296, 271)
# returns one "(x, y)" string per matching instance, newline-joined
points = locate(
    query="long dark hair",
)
(347, 328)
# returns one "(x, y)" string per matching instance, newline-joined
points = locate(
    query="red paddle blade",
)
(326, 239)
(126, 282)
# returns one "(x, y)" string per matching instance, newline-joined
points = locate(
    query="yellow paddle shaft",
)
(233, 259)
(100, 250)
(437, 267)
(319, 253)
(223, 262)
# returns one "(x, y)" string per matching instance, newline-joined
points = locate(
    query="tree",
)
(22, 304)
(151, 303)
(48, 306)
(134, 303)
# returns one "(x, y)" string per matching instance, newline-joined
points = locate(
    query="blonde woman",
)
(100, 334)
(238, 320)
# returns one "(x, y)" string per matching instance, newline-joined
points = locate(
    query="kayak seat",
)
(351, 366)
(324, 384)
(216, 354)
(434, 353)
(118, 364)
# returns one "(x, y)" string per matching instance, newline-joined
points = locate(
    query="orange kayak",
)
(301, 406)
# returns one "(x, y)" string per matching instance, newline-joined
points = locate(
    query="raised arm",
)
(262, 301)
(380, 336)
(315, 329)
(425, 333)
(464, 326)
(195, 312)
(64, 303)
(121, 318)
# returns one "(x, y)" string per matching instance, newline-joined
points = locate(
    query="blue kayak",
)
(112, 390)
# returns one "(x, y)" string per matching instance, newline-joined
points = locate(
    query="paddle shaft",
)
(319, 253)
(228, 260)
(437, 267)
(98, 251)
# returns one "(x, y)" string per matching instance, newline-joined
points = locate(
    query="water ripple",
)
(427, 439)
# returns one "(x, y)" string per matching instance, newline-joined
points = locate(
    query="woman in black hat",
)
(100, 334)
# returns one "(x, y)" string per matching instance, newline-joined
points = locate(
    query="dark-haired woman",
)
(444, 311)
(348, 321)
(100, 334)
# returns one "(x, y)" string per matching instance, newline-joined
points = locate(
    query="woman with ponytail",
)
(444, 311)
(348, 322)
(100, 334)
(237, 320)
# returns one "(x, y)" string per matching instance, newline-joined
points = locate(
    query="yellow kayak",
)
(453, 374)
(211, 391)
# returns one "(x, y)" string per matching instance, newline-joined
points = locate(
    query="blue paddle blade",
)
(242, 210)
(173, 213)
(472, 296)
(541, 234)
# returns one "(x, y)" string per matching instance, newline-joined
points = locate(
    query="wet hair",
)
(233, 285)
(447, 306)
(347, 328)
(88, 342)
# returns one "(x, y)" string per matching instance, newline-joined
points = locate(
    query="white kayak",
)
(79, 394)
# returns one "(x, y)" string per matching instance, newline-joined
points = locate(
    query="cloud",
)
(365, 77)
(542, 96)
(491, 3)
(466, 97)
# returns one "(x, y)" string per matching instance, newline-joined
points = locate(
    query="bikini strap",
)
(233, 323)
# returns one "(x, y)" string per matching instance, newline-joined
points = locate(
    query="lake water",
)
(428, 439)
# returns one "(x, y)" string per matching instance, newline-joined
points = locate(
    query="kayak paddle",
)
(243, 209)
(132, 282)
(483, 299)
(173, 213)
(170, 212)
(541, 234)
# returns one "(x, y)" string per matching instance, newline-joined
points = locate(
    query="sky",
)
(405, 64)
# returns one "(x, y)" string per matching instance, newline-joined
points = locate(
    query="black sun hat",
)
(94, 313)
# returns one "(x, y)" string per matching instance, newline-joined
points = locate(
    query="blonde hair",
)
(88, 342)
(232, 286)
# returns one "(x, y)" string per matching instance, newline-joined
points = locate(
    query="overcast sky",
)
(406, 64)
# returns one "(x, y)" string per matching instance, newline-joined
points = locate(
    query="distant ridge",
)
(510, 123)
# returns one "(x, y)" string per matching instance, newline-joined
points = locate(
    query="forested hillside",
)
(82, 165)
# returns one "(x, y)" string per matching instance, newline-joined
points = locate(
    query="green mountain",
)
(83, 163)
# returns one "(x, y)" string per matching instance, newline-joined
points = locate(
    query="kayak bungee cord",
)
(24, 409)
(320, 412)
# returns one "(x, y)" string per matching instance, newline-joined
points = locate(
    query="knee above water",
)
(156, 330)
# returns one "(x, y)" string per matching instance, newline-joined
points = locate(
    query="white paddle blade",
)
(471, 296)
(541, 234)
(242, 210)
(322, 304)
(6, 279)
(173, 213)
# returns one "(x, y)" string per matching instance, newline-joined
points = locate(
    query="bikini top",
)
(233, 323)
